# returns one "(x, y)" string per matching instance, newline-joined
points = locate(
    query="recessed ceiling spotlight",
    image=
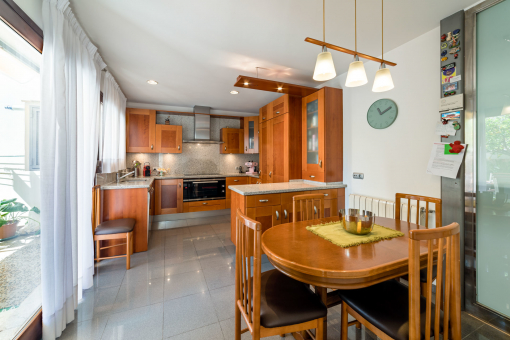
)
(280, 88)
(152, 82)
(246, 83)
(234, 92)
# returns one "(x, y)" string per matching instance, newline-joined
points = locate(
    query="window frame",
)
(20, 22)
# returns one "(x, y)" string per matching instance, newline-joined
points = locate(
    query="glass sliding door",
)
(492, 158)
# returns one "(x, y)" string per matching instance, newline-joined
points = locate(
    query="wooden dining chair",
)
(271, 303)
(309, 207)
(439, 217)
(391, 310)
(111, 230)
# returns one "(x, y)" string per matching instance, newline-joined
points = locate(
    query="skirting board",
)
(185, 216)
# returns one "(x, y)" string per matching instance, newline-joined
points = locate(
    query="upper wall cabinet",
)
(251, 135)
(322, 124)
(168, 138)
(280, 106)
(140, 130)
(266, 113)
(233, 140)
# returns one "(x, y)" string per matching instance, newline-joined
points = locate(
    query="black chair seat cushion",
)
(123, 225)
(386, 306)
(285, 301)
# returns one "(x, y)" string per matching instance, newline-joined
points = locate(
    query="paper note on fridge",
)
(451, 103)
(444, 165)
(445, 129)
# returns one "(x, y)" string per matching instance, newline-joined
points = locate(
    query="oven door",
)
(195, 190)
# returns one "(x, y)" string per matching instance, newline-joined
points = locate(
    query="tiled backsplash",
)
(195, 158)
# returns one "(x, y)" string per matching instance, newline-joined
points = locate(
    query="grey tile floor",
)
(182, 288)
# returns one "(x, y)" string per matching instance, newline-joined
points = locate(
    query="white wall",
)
(394, 159)
(33, 8)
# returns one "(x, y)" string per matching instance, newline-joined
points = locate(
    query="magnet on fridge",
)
(456, 55)
(454, 50)
(449, 36)
(444, 58)
(456, 125)
(457, 31)
(444, 46)
(443, 53)
(443, 37)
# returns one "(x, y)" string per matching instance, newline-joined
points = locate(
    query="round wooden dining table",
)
(309, 258)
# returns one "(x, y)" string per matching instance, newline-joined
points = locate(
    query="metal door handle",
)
(263, 201)
(179, 185)
(285, 213)
(204, 203)
(312, 176)
(152, 146)
(326, 195)
(320, 163)
(246, 148)
(277, 111)
(270, 173)
(236, 180)
(277, 215)
(315, 209)
(225, 148)
(178, 147)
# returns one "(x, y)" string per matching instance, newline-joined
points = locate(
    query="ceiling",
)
(196, 49)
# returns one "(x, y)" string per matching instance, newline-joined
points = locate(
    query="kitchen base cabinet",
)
(254, 180)
(274, 209)
(234, 181)
(168, 196)
(196, 206)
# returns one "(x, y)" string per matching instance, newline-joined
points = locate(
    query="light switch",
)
(357, 175)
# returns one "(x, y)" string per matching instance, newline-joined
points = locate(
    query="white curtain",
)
(70, 109)
(114, 125)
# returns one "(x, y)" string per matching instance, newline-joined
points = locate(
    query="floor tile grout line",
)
(487, 324)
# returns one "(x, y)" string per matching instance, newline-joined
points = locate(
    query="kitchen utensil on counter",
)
(136, 167)
(251, 166)
(147, 169)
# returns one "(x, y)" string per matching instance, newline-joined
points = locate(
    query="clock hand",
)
(379, 111)
(385, 110)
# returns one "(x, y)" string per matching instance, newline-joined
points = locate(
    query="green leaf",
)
(36, 210)
(2, 202)
(16, 208)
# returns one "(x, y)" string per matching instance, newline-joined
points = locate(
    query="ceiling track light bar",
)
(347, 51)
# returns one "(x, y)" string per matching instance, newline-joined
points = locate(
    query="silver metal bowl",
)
(358, 223)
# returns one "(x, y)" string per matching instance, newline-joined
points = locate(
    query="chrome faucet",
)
(121, 177)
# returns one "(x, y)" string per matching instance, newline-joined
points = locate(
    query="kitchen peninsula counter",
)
(278, 188)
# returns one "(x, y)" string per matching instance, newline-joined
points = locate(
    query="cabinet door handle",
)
(277, 215)
(179, 185)
(315, 209)
(270, 173)
(152, 146)
(246, 148)
(236, 180)
(263, 201)
(277, 111)
(205, 203)
(263, 118)
(225, 148)
(285, 213)
(178, 147)
(326, 195)
(312, 176)
(320, 163)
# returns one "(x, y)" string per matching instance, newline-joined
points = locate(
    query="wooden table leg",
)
(323, 293)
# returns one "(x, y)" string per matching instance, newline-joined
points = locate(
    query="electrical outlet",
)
(357, 175)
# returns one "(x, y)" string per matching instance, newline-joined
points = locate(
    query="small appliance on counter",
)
(147, 169)
(136, 169)
(251, 167)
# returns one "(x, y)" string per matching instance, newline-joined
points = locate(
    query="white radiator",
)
(383, 208)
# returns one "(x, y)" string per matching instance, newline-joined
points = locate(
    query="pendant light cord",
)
(355, 29)
(324, 20)
(382, 29)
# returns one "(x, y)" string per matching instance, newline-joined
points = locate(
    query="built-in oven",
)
(199, 189)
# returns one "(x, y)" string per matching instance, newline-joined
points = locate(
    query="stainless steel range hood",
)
(202, 128)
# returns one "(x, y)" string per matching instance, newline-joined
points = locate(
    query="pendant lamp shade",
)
(324, 67)
(356, 76)
(383, 81)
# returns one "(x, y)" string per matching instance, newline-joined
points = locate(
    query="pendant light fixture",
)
(383, 81)
(356, 76)
(324, 67)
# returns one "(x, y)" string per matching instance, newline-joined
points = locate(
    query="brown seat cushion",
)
(123, 225)
(386, 306)
(285, 301)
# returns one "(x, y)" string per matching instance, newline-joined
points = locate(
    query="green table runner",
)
(334, 233)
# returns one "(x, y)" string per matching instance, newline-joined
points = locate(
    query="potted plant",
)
(11, 213)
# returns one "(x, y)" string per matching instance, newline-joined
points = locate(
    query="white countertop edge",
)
(259, 190)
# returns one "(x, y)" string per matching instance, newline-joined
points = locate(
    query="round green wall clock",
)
(382, 113)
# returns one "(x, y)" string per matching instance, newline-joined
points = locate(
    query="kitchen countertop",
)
(278, 188)
(146, 182)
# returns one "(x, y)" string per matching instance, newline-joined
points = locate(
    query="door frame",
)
(481, 312)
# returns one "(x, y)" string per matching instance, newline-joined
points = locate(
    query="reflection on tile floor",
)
(182, 288)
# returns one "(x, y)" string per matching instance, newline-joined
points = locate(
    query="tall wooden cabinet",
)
(140, 130)
(322, 144)
(280, 141)
(168, 139)
(251, 135)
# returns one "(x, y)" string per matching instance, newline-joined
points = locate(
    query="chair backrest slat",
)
(437, 202)
(447, 299)
(248, 253)
(311, 207)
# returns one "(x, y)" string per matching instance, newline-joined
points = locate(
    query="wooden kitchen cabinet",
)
(168, 138)
(207, 205)
(251, 135)
(140, 130)
(169, 196)
(266, 152)
(254, 180)
(233, 141)
(265, 113)
(280, 106)
(241, 180)
(322, 130)
(268, 216)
